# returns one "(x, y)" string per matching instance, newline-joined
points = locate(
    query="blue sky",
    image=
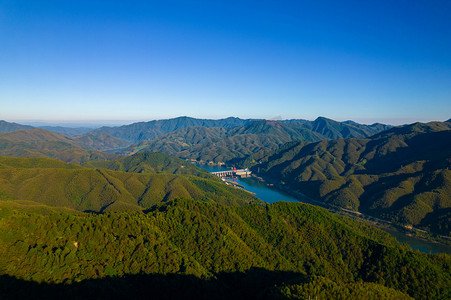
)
(123, 61)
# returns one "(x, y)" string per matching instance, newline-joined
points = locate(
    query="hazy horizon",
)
(112, 123)
(85, 61)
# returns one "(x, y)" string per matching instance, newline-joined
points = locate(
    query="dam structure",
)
(233, 173)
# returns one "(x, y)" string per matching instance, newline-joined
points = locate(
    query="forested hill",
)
(187, 249)
(330, 129)
(219, 144)
(402, 174)
(151, 162)
(101, 190)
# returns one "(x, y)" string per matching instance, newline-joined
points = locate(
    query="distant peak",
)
(323, 119)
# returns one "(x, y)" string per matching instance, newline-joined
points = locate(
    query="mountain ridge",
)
(231, 145)
(402, 174)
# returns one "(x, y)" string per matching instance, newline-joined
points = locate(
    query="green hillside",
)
(151, 162)
(43, 143)
(100, 190)
(196, 250)
(402, 174)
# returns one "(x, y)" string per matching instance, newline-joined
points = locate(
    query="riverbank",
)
(408, 232)
(270, 191)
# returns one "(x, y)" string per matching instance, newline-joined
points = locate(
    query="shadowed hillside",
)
(256, 283)
(402, 174)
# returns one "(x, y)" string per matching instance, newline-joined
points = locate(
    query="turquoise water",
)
(271, 194)
(261, 189)
(418, 244)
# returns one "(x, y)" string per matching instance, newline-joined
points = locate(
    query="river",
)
(271, 194)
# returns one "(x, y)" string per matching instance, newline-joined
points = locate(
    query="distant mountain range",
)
(326, 128)
(225, 140)
(234, 143)
(402, 174)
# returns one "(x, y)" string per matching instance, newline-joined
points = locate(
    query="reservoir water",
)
(271, 194)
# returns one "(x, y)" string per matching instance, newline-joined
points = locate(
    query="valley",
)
(79, 211)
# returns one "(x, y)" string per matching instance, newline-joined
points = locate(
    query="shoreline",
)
(367, 219)
(413, 232)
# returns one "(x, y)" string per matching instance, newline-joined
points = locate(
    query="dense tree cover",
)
(192, 249)
(43, 143)
(402, 174)
(56, 183)
(324, 288)
(151, 162)
(233, 144)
